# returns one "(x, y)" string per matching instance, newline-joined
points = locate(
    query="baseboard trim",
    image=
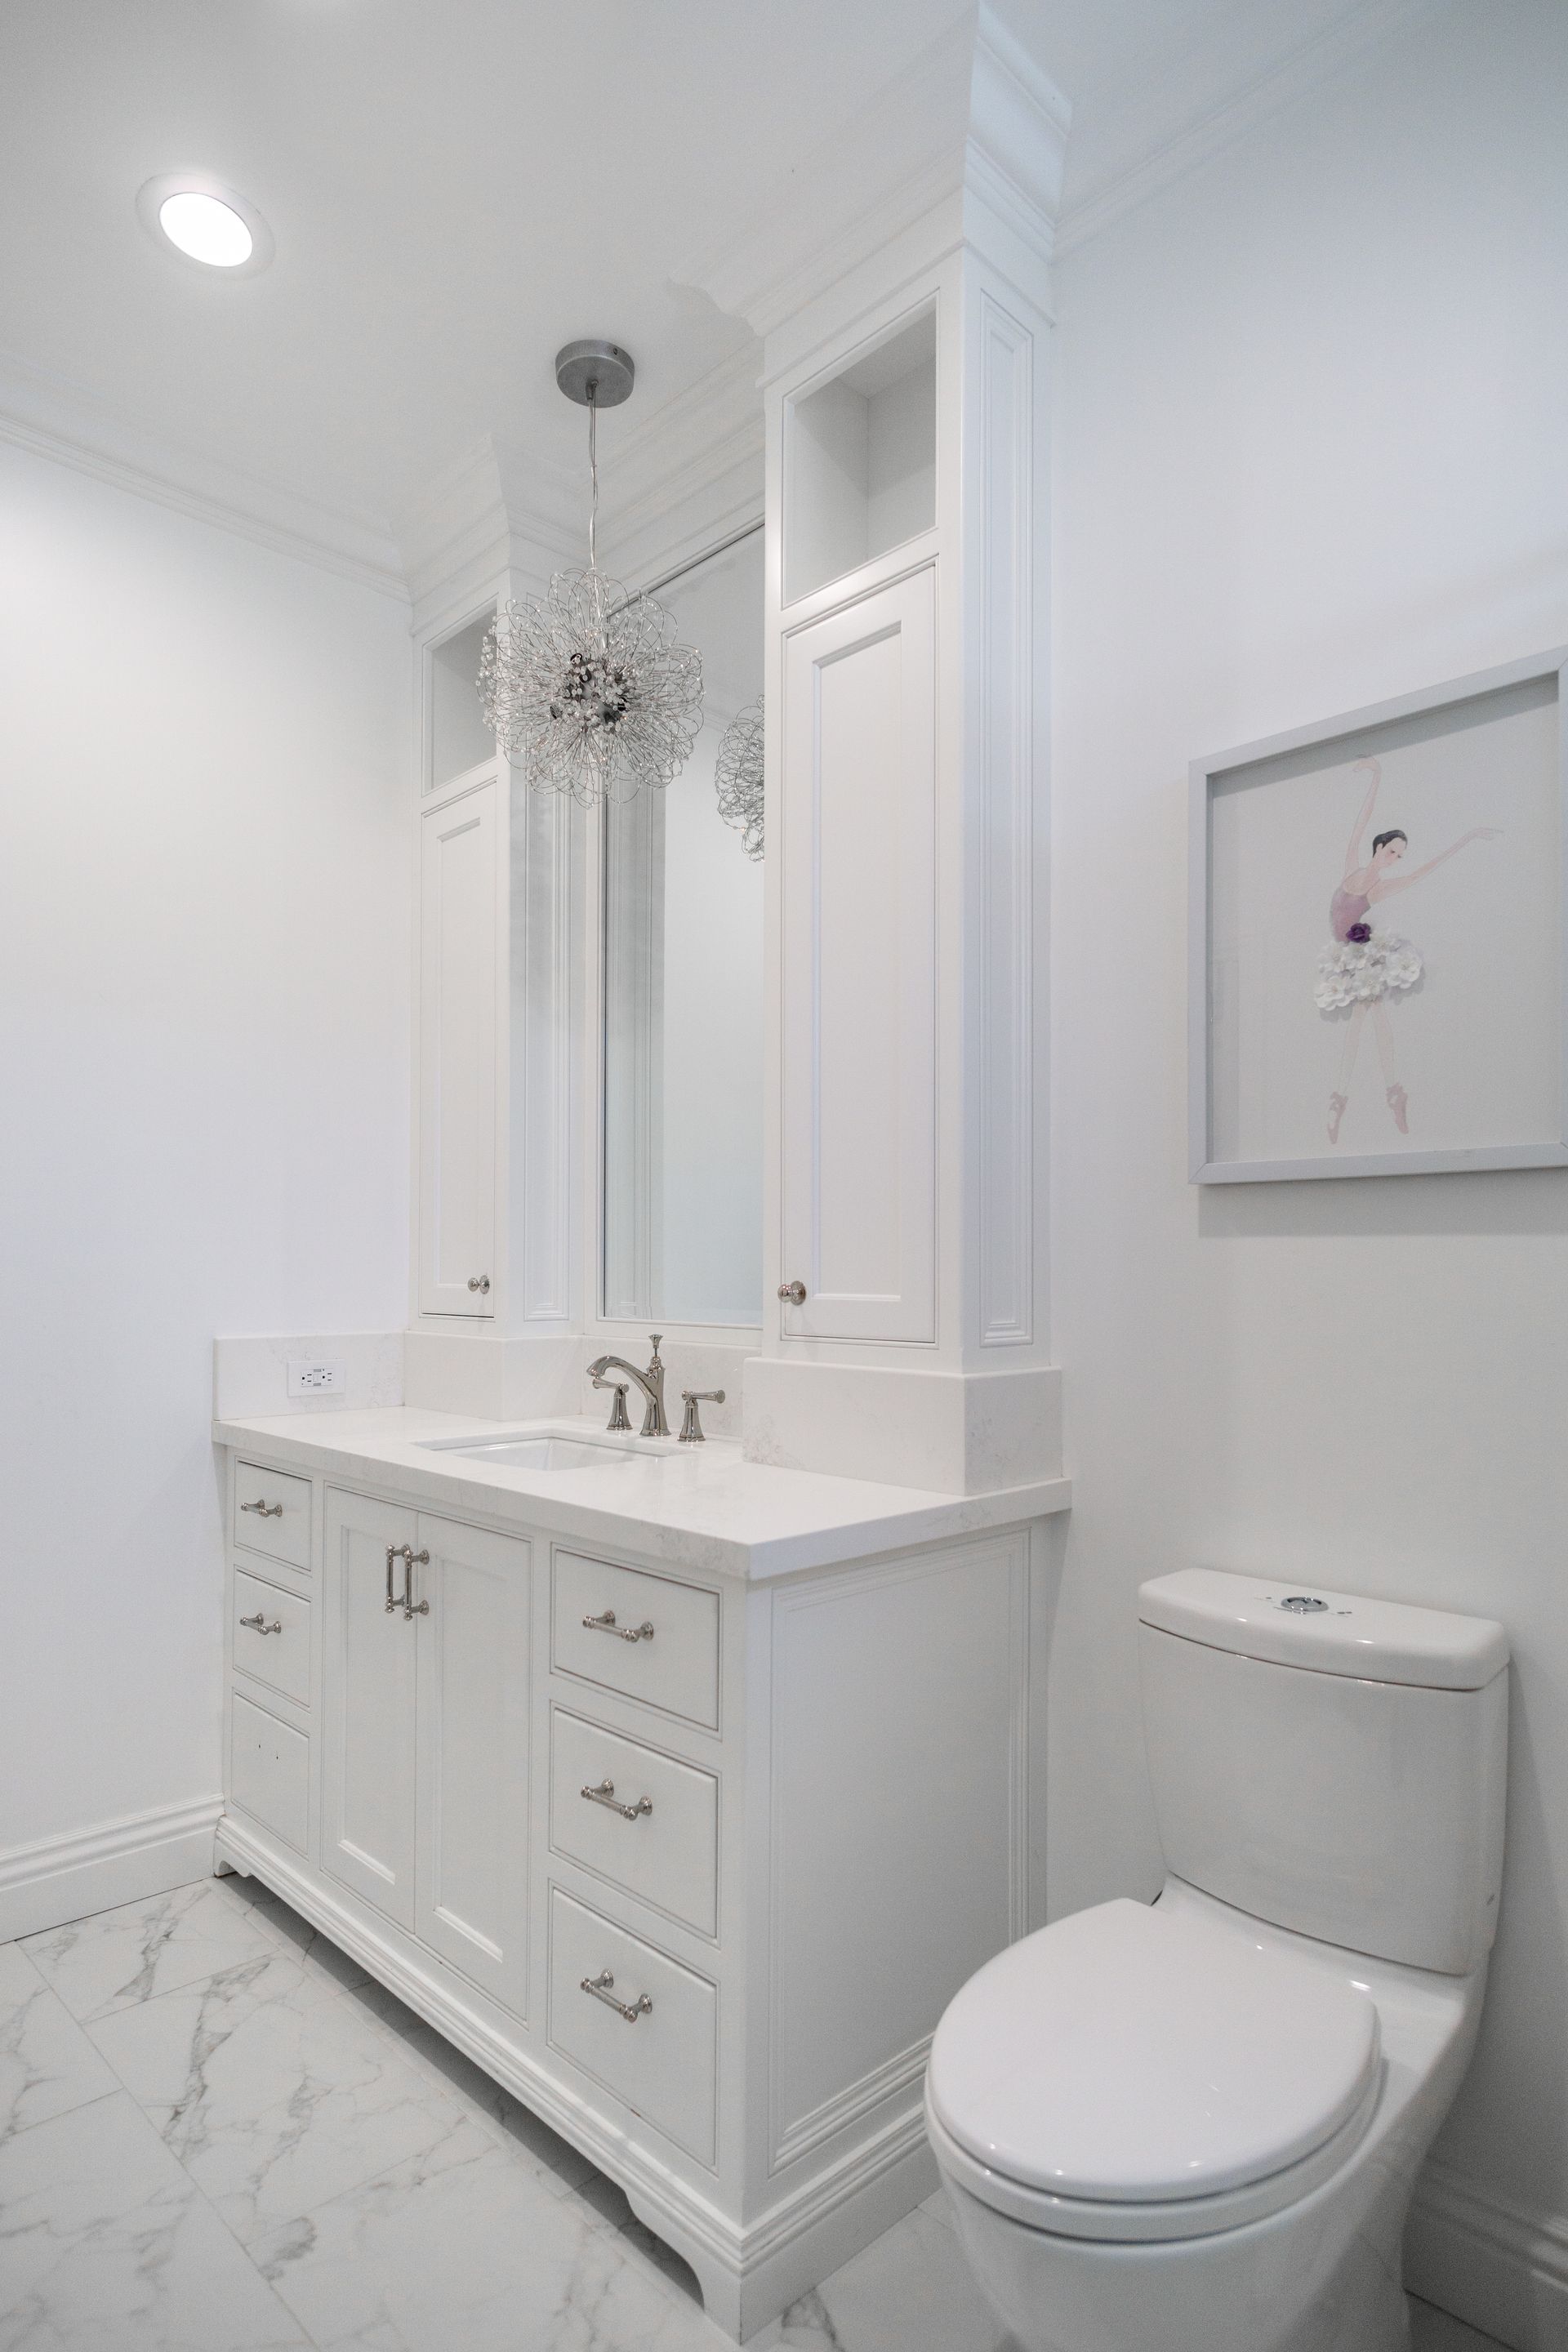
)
(62, 1878)
(1499, 2267)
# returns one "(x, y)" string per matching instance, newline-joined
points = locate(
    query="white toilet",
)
(1195, 2126)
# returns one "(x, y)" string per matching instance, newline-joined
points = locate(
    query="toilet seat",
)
(1137, 2074)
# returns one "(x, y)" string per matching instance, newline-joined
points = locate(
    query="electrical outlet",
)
(309, 1377)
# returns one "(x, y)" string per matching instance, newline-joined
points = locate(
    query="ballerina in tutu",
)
(1360, 964)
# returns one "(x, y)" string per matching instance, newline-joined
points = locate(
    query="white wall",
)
(203, 1059)
(1312, 451)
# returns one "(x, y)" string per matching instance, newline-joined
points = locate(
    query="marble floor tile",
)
(48, 2066)
(107, 2246)
(909, 2291)
(272, 2089)
(465, 2248)
(560, 2166)
(1435, 2331)
(116, 1959)
(307, 1943)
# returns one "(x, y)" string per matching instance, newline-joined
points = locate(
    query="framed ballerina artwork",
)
(1378, 983)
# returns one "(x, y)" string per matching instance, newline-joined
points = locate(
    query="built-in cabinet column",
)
(457, 1019)
(498, 1033)
(906, 374)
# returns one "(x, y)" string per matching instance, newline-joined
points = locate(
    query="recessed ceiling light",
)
(206, 228)
(194, 215)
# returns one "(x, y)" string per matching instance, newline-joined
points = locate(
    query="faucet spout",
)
(649, 1382)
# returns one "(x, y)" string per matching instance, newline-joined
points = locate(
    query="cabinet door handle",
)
(604, 1623)
(404, 1600)
(264, 1510)
(604, 1794)
(258, 1624)
(600, 1986)
(792, 1293)
(481, 1283)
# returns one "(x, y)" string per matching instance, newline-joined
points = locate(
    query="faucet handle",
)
(691, 1422)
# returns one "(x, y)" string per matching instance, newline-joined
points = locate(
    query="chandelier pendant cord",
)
(593, 472)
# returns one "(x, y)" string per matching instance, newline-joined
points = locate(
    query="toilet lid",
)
(1129, 2054)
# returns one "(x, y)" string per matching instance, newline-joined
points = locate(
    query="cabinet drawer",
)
(664, 2065)
(270, 1772)
(670, 1853)
(277, 1650)
(272, 1512)
(675, 1667)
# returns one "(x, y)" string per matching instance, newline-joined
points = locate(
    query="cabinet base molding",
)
(748, 2275)
(59, 1879)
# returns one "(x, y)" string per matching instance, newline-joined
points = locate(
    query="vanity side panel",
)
(898, 1833)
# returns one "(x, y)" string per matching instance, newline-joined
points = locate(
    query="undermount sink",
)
(541, 1451)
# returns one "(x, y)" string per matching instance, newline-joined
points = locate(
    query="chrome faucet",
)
(650, 1382)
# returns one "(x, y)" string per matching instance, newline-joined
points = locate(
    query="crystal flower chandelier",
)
(586, 688)
(738, 777)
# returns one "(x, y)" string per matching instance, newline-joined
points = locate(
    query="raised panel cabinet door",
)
(859, 833)
(473, 1804)
(458, 983)
(368, 1727)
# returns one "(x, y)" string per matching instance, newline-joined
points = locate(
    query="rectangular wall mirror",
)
(682, 997)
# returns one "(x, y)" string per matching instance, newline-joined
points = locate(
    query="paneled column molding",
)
(902, 287)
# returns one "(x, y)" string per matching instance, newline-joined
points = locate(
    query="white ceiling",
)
(458, 186)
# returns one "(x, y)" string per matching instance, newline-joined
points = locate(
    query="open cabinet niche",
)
(860, 458)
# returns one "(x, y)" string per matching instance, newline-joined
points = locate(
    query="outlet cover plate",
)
(316, 1376)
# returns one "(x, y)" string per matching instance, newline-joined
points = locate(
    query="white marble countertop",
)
(700, 1506)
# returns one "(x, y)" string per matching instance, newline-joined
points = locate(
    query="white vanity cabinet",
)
(690, 1861)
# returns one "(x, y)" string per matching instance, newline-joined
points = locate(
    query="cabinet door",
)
(457, 981)
(859, 1158)
(472, 1878)
(368, 1725)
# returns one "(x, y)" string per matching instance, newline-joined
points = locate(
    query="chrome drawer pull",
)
(605, 1623)
(404, 1600)
(258, 1624)
(604, 1794)
(599, 1987)
(264, 1510)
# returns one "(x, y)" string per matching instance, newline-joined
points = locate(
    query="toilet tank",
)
(1333, 1764)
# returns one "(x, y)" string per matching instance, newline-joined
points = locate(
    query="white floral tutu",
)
(1358, 972)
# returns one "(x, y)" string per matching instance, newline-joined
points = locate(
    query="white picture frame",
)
(1271, 1048)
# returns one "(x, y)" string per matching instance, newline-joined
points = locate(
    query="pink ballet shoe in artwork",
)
(1398, 1102)
(1336, 1112)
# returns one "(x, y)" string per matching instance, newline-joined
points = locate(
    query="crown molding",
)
(1356, 31)
(56, 421)
(975, 112)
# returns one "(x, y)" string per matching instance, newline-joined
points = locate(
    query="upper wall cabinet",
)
(860, 458)
(459, 977)
(859, 962)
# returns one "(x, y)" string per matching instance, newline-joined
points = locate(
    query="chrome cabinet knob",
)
(794, 1293)
(481, 1283)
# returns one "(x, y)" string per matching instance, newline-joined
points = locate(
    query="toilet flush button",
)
(1303, 1605)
